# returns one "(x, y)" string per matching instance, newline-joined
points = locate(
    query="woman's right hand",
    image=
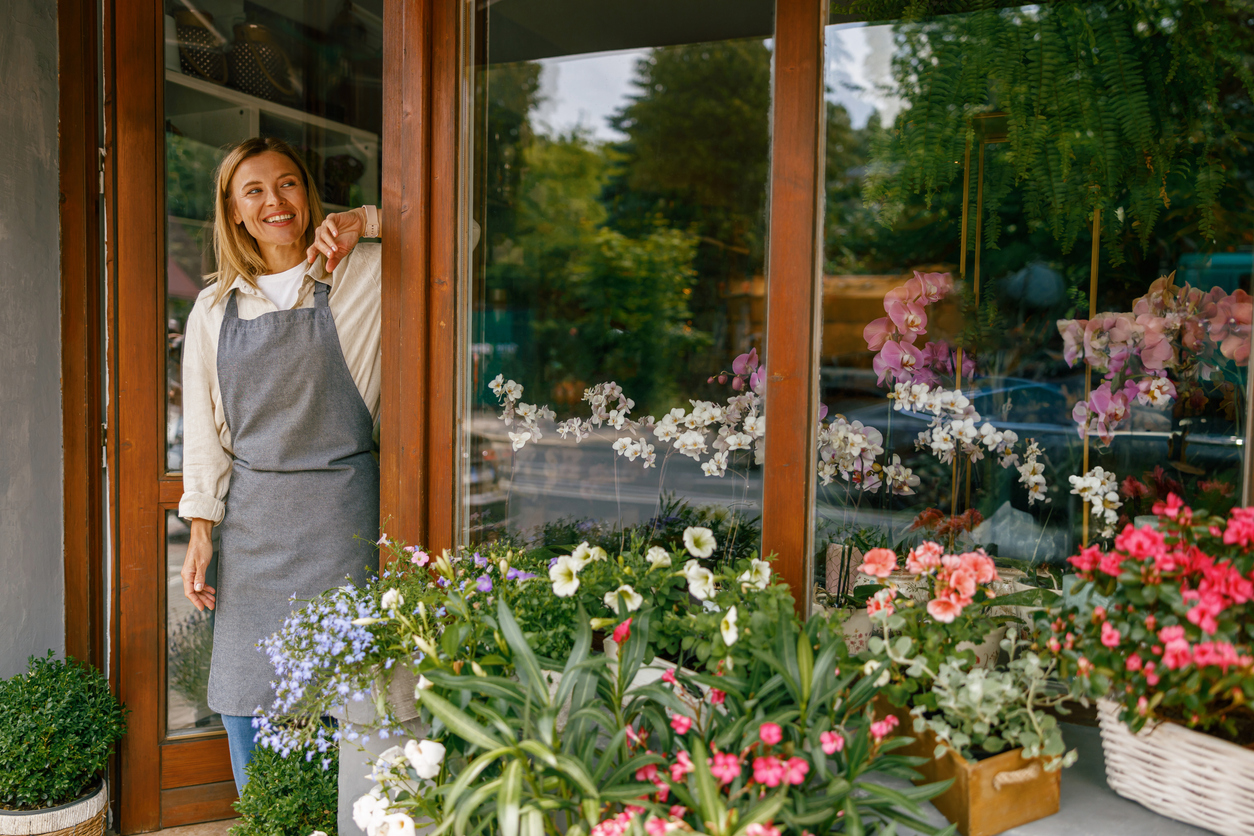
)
(336, 236)
(199, 553)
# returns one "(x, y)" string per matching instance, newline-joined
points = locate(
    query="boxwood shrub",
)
(288, 796)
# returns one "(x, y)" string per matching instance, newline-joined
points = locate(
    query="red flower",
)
(622, 632)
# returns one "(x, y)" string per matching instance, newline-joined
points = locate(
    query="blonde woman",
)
(281, 368)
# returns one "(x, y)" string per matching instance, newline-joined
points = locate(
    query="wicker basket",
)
(83, 817)
(1179, 773)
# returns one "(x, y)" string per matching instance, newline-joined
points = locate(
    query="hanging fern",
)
(1103, 103)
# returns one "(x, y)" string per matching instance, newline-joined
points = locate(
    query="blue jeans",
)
(241, 737)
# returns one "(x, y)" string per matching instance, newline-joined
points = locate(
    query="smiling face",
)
(268, 197)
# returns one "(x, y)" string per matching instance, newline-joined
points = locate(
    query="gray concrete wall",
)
(32, 586)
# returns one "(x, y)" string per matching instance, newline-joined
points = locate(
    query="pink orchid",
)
(725, 767)
(770, 733)
(879, 563)
(899, 359)
(909, 317)
(877, 333)
(832, 742)
(745, 363)
(1157, 352)
(933, 287)
(1072, 331)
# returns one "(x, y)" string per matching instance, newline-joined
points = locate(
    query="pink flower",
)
(761, 830)
(898, 359)
(832, 742)
(795, 770)
(909, 317)
(725, 767)
(419, 558)
(1240, 530)
(1099, 613)
(1133, 664)
(877, 332)
(1109, 563)
(945, 608)
(881, 602)
(1072, 331)
(1083, 666)
(678, 811)
(768, 771)
(963, 583)
(1150, 676)
(923, 558)
(655, 826)
(980, 564)
(882, 728)
(770, 734)
(1110, 635)
(669, 676)
(681, 723)
(1219, 654)
(717, 697)
(622, 632)
(879, 563)
(681, 767)
(1087, 559)
(1157, 352)
(647, 773)
(746, 363)
(931, 287)
(1140, 543)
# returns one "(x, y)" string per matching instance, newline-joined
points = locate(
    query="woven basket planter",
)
(83, 817)
(1179, 773)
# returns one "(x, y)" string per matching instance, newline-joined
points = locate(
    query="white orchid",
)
(699, 541)
(497, 384)
(758, 574)
(628, 596)
(728, 627)
(425, 756)
(717, 465)
(512, 390)
(526, 411)
(519, 440)
(691, 444)
(565, 576)
(392, 599)
(658, 556)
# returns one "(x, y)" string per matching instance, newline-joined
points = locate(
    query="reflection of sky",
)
(584, 91)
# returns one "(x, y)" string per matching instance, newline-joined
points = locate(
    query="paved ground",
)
(213, 828)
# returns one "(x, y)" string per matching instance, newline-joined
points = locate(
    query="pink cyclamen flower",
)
(878, 563)
(1110, 635)
(770, 733)
(681, 767)
(795, 770)
(725, 767)
(681, 723)
(768, 771)
(882, 728)
(832, 742)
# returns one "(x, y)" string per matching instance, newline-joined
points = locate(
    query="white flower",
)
(565, 576)
(585, 554)
(728, 628)
(716, 466)
(626, 447)
(617, 418)
(424, 684)
(526, 411)
(871, 667)
(425, 756)
(519, 440)
(512, 390)
(700, 580)
(395, 824)
(386, 762)
(755, 425)
(658, 556)
(691, 444)
(630, 597)
(370, 810)
(632, 451)
(758, 574)
(739, 441)
(699, 541)
(497, 384)
(392, 599)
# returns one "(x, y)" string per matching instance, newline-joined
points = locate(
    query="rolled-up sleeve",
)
(206, 460)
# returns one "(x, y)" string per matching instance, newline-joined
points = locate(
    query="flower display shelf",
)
(988, 796)
(1180, 773)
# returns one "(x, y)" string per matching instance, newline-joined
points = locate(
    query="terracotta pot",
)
(988, 796)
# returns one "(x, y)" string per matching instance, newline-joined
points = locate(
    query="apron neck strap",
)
(232, 311)
(320, 294)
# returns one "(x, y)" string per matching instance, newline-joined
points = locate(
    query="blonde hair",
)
(234, 248)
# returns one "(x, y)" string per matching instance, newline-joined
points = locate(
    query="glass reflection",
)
(619, 277)
(974, 151)
(189, 642)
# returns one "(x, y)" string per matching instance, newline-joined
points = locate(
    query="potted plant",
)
(1158, 630)
(982, 728)
(58, 724)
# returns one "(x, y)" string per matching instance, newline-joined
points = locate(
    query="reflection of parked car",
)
(486, 501)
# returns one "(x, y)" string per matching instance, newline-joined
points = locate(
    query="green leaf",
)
(458, 722)
(1026, 598)
(472, 803)
(805, 666)
(712, 808)
(471, 774)
(525, 662)
(576, 771)
(763, 811)
(539, 751)
(508, 803)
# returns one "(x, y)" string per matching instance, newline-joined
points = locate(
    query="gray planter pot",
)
(84, 817)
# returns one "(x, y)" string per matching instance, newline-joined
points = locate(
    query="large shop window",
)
(1037, 256)
(309, 73)
(617, 291)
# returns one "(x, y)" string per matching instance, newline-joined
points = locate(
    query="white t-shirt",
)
(282, 288)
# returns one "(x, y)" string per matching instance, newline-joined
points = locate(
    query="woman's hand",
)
(199, 553)
(336, 236)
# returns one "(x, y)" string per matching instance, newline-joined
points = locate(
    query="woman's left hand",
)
(336, 237)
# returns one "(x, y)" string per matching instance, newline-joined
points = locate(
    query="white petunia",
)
(565, 576)
(758, 574)
(392, 599)
(628, 596)
(699, 541)
(395, 824)
(386, 762)
(728, 628)
(701, 583)
(370, 809)
(519, 440)
(424, 684)
(658, 556)
(425, 756)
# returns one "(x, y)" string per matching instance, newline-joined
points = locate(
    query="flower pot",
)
(988, 796)
(82, 817)
(1180, 773)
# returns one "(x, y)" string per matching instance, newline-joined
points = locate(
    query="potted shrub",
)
(1168, 654)
(58, 724)
(982, 728)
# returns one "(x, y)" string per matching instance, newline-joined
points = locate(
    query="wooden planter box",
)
(989, 796)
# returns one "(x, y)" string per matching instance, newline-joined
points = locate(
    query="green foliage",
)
(1106, 105)
(288, 796)
(189, 651)
(58, 724)
(189, 171)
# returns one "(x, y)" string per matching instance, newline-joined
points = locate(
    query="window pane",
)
(619, 183)
(310, 74)
(1003, 123)
(189, 642)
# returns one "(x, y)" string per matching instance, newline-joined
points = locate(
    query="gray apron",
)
(303, 505)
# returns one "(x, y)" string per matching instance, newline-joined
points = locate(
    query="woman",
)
(281, 370)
